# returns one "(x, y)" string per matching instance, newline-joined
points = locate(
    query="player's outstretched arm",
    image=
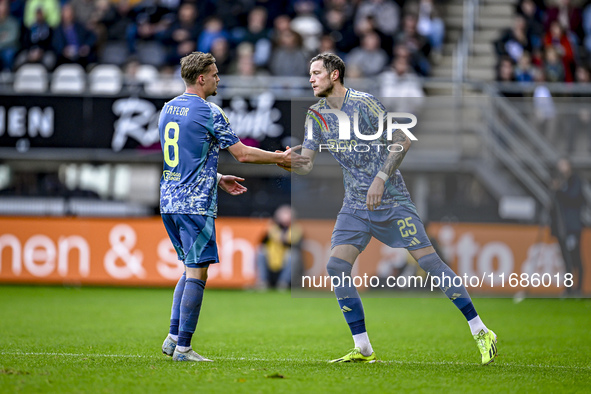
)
(306, 168)
(393, 161)
(229, 184)
(248, 154)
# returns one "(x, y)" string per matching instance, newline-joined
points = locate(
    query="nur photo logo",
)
(344, 141)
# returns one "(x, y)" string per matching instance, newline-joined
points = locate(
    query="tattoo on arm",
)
(395, 158)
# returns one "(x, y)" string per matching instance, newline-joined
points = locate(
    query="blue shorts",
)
(193, 238)
(398, 227)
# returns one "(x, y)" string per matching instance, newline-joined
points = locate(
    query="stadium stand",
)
(429, 50)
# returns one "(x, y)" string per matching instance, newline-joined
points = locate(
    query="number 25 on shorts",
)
(406, 227)
(171, 142)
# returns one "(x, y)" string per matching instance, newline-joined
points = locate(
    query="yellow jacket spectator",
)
(280, 248)
(51, 10)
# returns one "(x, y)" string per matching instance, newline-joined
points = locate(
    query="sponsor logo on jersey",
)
(171, 176)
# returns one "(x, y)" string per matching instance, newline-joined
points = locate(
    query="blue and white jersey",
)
(360, 165)
(192, 131)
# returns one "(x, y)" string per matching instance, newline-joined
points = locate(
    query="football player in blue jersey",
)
(376, 204)
(192, 131)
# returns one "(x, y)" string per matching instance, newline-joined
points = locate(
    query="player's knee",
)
(338, 267)
(197, 273)
(431, 263)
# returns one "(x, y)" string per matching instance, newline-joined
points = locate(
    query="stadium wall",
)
(137, 252)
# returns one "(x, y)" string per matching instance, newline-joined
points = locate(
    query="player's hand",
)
(291, 159)
(282, 166)
(375, 193)
(229, 184)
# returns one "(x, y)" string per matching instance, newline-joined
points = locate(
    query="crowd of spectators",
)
(247, 37)
(550, 40)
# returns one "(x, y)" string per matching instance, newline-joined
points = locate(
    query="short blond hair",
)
(195, 64)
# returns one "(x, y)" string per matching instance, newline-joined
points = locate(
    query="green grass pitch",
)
(56, 339)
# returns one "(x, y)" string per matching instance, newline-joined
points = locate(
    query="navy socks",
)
(433, 264)
(189, 310)
(347, 295)
(175, 313)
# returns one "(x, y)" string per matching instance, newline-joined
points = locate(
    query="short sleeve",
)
(221, 128)
(313, 131)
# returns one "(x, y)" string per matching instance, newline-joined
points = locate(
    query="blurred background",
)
(501, 90)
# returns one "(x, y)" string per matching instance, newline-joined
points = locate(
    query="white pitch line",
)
(400, 362)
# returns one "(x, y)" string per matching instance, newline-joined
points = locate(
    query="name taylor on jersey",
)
(174, 110)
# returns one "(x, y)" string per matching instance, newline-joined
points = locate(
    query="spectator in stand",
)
(401, 50)
(289, 58)
(534, 20)
(181, 37)
(17, 10)
(37, 44)
(50, 8)
(345, 6)
(274, 8)
(569, 18)
(212, 30)
(586, 25)
(85, 11)
(553, 66)
(505, 70)
(280, 24)
(354, 72)
(400, 83)
(95, 25)
(306, 24)
(117, 24)
(130, 75)
(418, 45)
(9, 37)
(584, 113)
(152, 20)
(341, 30)
(327, 44)
(557, 39)
(369, 26)
(524, 71)
(430, 25)
(244, 64)
(514, 41)
(232, 13)
(582, 75)
(369, 56)
(386, 14)
(280, 250)
(220, 49)
(256, 33)
(72, 42)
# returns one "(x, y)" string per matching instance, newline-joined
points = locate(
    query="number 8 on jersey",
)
(171, 142)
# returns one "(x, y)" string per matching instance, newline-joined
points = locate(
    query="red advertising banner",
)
(134, 252)
(137, 252)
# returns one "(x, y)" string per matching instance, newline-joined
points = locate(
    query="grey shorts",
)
(397, 227)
